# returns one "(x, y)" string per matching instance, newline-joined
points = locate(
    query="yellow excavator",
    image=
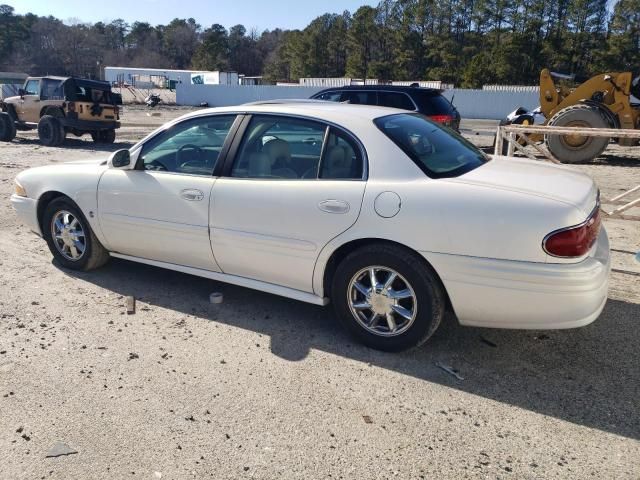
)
(607, 100)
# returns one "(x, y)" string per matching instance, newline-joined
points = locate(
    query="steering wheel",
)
(189, 146)
(156, 165)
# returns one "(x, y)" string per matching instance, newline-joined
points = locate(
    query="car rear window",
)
(437, 151)
(432, 103)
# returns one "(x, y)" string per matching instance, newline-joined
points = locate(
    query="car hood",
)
(554, 182)
(89, 161)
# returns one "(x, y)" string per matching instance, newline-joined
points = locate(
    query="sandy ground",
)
(265, 387)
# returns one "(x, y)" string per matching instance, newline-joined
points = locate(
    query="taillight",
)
(446, 119)
(72, 107)
(574, 241)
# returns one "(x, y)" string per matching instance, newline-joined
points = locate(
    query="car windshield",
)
(436, 150)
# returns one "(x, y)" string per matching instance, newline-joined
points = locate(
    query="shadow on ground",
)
(587, 376)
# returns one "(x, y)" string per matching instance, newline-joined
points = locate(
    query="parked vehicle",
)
(607, 100)
(56, 106)
(152, 100)
(391, 216)
(428, 101)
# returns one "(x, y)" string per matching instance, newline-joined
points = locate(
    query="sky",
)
(261, 14)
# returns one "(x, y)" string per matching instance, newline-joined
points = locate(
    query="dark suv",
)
(428, 101)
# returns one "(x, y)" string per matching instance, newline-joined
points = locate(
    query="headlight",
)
(19, 189)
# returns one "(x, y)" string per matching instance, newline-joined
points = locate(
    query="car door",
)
(160, 209)
(29, 105)
(290, 186)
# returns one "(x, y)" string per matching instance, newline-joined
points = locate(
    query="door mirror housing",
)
(22, 92)
(120, 159)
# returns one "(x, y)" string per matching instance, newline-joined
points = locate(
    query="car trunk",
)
(538, 179)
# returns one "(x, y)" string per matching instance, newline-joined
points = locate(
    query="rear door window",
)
(355, 97)
(51, 90)
(275, 147)
(395, 100)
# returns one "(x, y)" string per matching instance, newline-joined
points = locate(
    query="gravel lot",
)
(265, 387)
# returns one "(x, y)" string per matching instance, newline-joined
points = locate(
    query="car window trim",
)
(239, 136)
(137, 149)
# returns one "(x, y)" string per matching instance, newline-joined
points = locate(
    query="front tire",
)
(388, 297)
(577, 148)
(7, 127)
(70, 238)
(50, 131)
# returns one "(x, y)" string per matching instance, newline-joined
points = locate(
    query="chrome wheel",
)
(68, 235)
(382, 301)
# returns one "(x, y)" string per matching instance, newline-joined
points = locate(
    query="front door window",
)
(190, 147)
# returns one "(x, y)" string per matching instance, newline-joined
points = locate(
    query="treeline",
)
(465, 42)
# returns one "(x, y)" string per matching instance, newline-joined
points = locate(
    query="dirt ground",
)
(265, 387)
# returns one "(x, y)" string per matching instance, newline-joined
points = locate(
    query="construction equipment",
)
(605, 101)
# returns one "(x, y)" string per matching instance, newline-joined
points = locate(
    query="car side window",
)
(341, 158)
(395, 100)
(51, 90)
(190, 147)
(330, 96)
(32, 87)
(358, 97)
(278, 147)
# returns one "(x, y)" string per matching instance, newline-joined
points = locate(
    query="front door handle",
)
(334, 206)
(191, 194)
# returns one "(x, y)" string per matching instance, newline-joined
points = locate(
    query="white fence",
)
(512, 88)
(471, 103)
(9, 90)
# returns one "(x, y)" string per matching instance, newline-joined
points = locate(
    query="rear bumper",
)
(524, 295)
(89, 124)
(27, 210)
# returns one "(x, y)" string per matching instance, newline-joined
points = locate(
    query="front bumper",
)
(524, 295)
(27, 210)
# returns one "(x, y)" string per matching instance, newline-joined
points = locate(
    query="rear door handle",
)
(334, 206)
(191, 194)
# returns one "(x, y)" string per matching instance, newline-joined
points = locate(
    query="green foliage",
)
(466, 42)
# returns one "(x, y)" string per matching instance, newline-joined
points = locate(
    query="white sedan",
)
(389, 215)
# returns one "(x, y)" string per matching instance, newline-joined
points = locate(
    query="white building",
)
(163, 78)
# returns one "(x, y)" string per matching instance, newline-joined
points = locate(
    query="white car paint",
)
(481, 232)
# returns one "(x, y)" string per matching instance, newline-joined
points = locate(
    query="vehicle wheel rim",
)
(382, 301)
(575, 141)
(68, 235)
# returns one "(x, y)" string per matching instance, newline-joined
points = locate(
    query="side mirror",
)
(120, 159)
(22, 92)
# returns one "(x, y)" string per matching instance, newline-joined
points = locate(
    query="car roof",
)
(48, 77)
(338, 113)
(384, 88)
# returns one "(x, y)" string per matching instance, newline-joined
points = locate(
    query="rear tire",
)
(577, 148)
(7, 127)
(415, 298)
(50, 131)
(104, 136)
(70, 238)
(109, 136)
